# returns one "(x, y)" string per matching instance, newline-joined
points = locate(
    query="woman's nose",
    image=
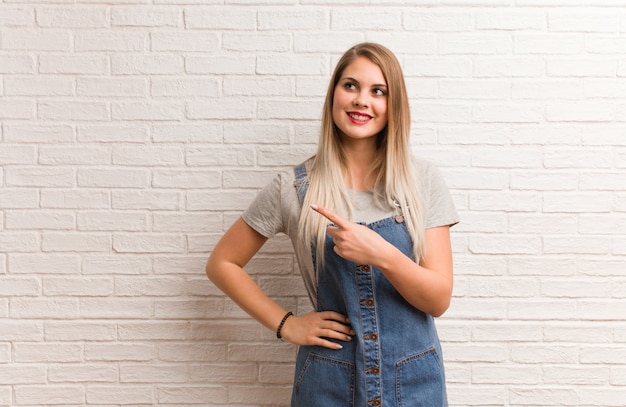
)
(361, 99)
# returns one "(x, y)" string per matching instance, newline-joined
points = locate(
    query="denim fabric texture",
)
(395, 357)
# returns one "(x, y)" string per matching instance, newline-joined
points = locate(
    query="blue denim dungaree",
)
(395, 357)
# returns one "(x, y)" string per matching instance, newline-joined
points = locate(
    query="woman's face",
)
(360, 101)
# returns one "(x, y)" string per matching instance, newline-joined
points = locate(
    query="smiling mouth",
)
(358, 117)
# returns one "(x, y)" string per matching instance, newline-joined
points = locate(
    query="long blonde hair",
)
(395, 183)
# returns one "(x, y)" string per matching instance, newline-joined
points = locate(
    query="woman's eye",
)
(350, 86)
(379, 92)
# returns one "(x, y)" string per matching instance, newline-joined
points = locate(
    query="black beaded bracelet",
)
(280, 326)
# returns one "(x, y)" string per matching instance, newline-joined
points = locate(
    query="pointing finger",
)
(331, 216)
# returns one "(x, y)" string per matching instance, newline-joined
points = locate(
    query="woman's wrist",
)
(387, 257)
(282, 323)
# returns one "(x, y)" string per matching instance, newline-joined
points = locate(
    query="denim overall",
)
(395, 357)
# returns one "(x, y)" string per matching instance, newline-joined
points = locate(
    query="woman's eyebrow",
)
(349, 78)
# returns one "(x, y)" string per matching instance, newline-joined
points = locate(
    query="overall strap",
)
(301, 182)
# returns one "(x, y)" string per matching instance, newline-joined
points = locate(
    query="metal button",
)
(374, 402)
(373, 370)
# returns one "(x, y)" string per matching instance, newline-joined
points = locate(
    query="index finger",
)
(331, 216)
(335, 316)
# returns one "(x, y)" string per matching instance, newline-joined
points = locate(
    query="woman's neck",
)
(360, 157)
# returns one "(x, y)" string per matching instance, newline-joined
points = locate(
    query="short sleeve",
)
(440, 209)
(264, 214)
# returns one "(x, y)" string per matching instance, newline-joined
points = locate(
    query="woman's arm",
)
(427, 285)
(225, 269)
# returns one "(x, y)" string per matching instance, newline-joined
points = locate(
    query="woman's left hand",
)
(353, 242)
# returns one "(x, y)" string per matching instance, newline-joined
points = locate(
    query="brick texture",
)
(132, 134)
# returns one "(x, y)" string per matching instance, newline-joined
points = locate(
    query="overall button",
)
(373, 370)
(371, 336)
(374, 402)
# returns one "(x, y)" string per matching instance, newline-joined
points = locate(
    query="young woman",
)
(370, 227)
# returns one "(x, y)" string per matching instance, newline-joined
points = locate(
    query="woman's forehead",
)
(364, 70)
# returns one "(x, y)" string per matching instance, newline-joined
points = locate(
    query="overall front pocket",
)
(323, 382)
(420, 380)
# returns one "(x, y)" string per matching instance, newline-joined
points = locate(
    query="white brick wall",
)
(132, 135)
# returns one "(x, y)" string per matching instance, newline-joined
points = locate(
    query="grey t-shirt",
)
(276, 209)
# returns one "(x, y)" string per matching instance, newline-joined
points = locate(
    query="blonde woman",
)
(370, 227)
